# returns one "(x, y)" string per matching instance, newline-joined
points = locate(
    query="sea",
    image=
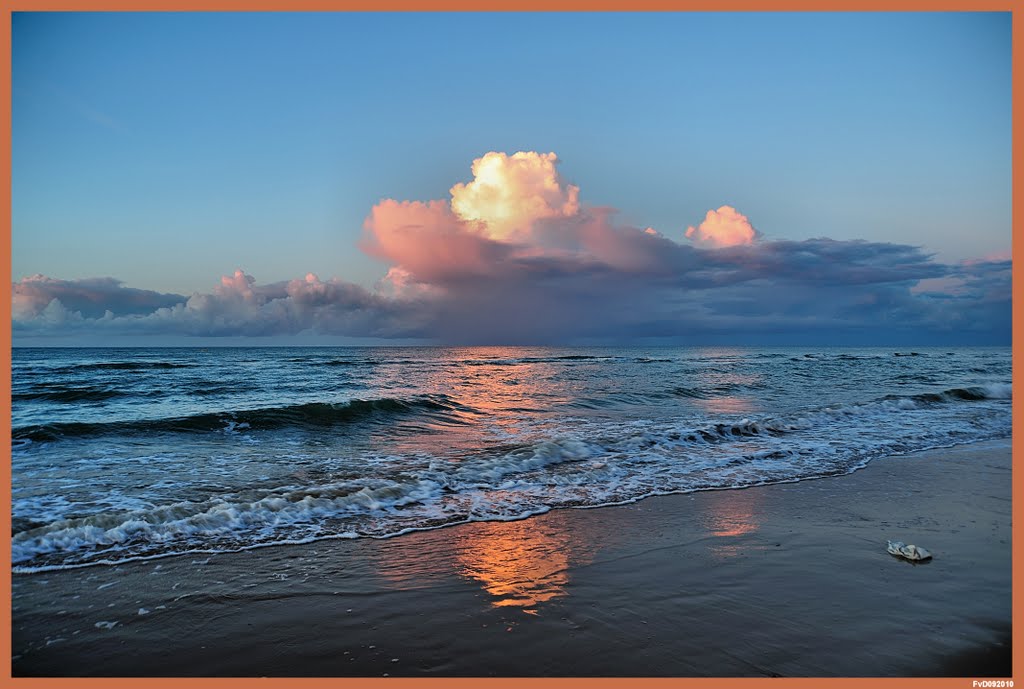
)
(142, 453)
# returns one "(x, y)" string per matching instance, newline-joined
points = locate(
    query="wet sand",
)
(789, 580)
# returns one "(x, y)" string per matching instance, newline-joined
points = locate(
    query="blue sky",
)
(167, 150)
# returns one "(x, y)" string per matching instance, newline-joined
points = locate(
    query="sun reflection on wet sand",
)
(521, 564)
(734, 513)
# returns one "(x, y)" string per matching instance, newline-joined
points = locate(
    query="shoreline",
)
(788, 579)
(17, 570)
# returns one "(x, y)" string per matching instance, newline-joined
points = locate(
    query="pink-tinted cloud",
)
(517, 216)
(724, 227)
(428, 240)
(1002, 256)
(488, 222)
(238, 286)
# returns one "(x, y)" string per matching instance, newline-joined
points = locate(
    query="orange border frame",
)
(9, 6)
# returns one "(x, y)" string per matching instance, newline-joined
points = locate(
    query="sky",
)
(511, 178)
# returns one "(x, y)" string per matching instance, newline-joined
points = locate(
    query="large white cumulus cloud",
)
(510, 193)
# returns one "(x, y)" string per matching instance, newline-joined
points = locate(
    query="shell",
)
(908, 552)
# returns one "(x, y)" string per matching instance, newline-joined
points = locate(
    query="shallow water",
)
(121, 454)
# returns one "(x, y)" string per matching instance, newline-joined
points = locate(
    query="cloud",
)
(238, 306)
(824, 262)
(987, 279)
(90, 297)
(428, 240)
(508, 194)
(514, 256)
(724, 227)
(488, 221)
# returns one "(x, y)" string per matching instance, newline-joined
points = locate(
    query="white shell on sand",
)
(910, 552)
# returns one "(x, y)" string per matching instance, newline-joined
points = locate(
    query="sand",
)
(788, 580)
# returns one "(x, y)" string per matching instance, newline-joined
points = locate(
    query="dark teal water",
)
(135, 453)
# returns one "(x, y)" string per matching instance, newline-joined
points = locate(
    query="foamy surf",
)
(435, 441)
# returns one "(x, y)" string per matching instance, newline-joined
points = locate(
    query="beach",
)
(632, 344)
(791, 579)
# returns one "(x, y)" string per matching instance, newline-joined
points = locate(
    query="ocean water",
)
(125, 454)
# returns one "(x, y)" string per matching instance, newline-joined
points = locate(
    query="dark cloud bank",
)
(819, 291)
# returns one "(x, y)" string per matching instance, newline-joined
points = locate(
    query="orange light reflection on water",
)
(718, 382)
(494, 395)
(493, 386)
(521, 564)
(733, 513)
(727, 405)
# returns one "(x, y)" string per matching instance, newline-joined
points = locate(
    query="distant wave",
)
(133, 365)
(315, 414)
(67, 395)
(683, 391)
(999, 391)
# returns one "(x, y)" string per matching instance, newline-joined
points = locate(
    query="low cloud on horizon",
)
(513, 256)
